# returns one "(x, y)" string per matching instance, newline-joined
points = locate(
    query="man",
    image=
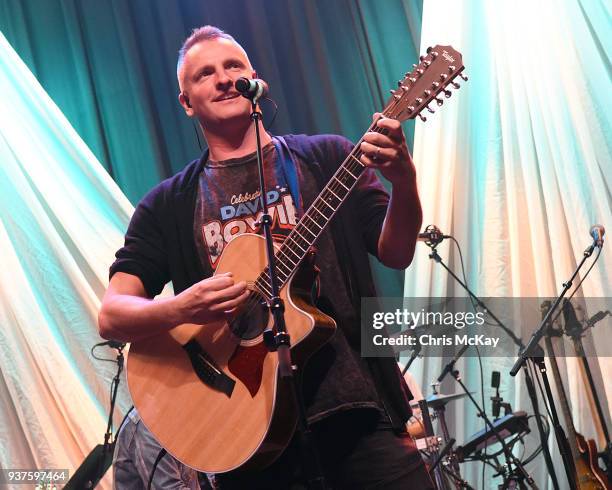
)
(180, 229)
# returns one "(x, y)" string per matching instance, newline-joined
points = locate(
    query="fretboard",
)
(295, 247)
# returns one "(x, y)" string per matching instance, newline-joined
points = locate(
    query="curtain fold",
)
(61, 219)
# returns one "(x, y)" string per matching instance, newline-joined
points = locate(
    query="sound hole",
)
(252, 320)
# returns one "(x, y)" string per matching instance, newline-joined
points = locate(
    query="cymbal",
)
(439, 400)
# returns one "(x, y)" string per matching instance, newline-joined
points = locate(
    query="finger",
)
(379, 139)
(378, 154)
(231, 304)
(216, 283)
(393, 127)
(228, 293)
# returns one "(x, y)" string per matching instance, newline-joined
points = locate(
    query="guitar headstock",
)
(429, 78)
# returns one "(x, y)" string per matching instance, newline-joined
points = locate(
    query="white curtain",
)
(61, 219)
(517, 166)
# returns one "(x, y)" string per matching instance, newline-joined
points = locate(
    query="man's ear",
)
(254, 74)
(186, 103)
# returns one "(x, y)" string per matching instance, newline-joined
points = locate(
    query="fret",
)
(349, 172)
(299, 234)
(355, 159)
(311, 219)
(340, 182)
(308, 230)
(335, 195)
(287, 247)
(267, 289)
(293, 240)
(280, 263)
(314, 206)
(280, 251)
(328, 205)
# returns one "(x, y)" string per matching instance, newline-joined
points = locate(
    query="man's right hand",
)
(127, 314)
(211, 299)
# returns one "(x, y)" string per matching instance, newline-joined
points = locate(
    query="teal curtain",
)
(110, 67)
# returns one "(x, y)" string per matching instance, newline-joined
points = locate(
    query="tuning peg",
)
(421, 58)
(429, 109)
(423, 118)
(412, 79)
(399, 83)
(418, 100)
(451, 68)
(443, 76)
(427, 93)
(435, 85)
(420, 71)
(404, 88)
(414, 65)
(397, 96)
(439, 101)
(429, 48)
(455, 85)
(410, 109)
(465, 78)
(447, 93)
(426, 62)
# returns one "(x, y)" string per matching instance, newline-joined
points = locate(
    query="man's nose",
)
(224, 80)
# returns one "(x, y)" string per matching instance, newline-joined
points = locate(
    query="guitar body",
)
(589, 475)
(218, 430)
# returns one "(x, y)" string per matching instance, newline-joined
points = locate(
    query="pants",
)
(357, 449)
(135, 454)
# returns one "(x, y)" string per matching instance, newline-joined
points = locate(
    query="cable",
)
(269, 125)
(474, 307)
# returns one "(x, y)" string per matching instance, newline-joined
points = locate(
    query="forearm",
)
(401, 226)
(129, 318)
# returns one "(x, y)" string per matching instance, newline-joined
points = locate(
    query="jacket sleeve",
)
(144, 252)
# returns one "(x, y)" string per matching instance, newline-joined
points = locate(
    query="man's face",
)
(207, 77)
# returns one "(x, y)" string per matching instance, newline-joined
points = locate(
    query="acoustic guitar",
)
(211, 394)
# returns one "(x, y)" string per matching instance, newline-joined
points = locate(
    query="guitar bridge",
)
(206, 369)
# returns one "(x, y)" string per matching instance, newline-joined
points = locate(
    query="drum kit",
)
(438, 449)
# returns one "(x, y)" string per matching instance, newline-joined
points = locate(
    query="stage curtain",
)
(110, 68)
(517, 166)
(61, 219)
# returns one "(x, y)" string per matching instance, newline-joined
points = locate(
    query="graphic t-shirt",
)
(229, 203)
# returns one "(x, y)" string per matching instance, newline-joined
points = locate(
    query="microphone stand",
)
(531, 348)
(277, 339)
(450, 368)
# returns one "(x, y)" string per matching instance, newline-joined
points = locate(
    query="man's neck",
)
(224, 144)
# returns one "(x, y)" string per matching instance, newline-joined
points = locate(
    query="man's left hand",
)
(388, 152)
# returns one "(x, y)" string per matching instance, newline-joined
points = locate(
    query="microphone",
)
(252, 89)
(597, 232)
(450, 366)
(113, 344)
(431, 235)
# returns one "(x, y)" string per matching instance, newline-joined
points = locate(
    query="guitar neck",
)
(433, 74)
(295, 247)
